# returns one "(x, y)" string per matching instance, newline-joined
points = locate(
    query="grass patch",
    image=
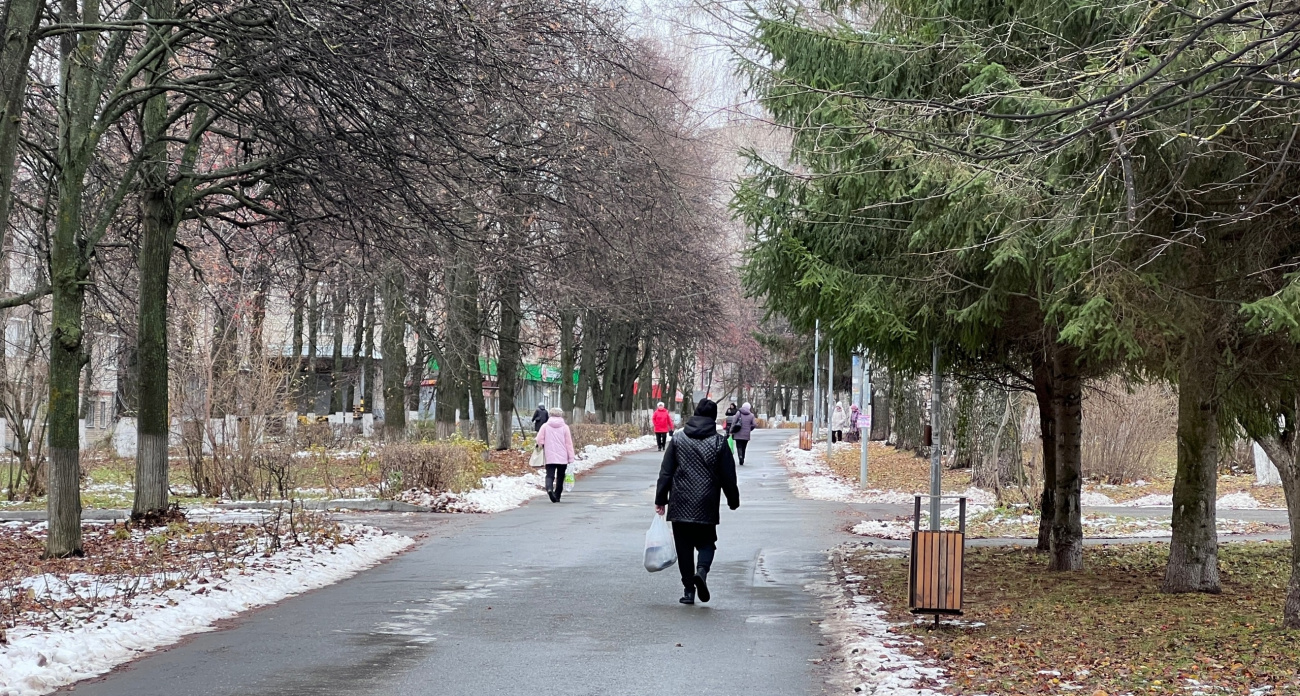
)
(1108, 629)
(892, 469)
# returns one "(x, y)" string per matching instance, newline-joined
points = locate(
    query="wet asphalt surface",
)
(545, 599)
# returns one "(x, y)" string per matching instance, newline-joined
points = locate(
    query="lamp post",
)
(936, 439)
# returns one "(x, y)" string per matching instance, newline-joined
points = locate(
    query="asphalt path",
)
(546, 599)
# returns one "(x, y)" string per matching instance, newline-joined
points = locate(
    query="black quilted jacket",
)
(698, 468)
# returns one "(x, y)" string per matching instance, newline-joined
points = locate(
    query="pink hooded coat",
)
(555, 438)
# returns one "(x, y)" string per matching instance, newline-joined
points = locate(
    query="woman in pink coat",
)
(557, 446)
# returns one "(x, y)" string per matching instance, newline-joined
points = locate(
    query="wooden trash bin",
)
(806, 436)
(935, 583)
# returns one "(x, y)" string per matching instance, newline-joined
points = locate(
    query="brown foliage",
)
(433, 466)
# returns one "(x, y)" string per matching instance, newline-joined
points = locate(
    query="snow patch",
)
(1240, 500)
(860, 632)
(812, 479)
(39, 661)
(1152, 500)
(1090, 499)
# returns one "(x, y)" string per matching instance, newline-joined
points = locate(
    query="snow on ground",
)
(984, 522)
(811, 478)
(499, 493)
(1091, 499)
(860, 632)
(38, 661)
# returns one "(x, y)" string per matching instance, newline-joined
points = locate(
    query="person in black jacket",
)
(540, 416)
(697, 469)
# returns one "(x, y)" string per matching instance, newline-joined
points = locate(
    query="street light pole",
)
(864, 409)
(936, 440)
(830, 395)
(816, 402)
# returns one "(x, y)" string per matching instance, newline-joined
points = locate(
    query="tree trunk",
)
(1067, 519)
(568, 363)
(1284, 458)
(674, 368)
(358, 344)
(22, 17)
(313, 334)
(68, 271)
(508, 356)
(1194, 548)
(587, 369)
(299, 308)
(153, 423)
(368, 362)
(1044, 393)
(338, 389)
(394, 350)
(592, 337)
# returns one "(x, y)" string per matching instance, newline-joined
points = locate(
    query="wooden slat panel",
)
(936, 571)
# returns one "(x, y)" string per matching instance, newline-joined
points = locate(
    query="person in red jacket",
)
(663, 422)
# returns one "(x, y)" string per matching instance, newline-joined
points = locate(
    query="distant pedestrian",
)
(732, 410)
(697, 470)
(838, 421)
(540, 416)
(855, 435)
(743, 423)
(663, 424)
(557, 443)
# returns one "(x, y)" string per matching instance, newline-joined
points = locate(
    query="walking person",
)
(557, 446)
(838, 421)
(663, 424)
(540, 416)
(743, 424)
(730, 416)
(697, 470)
(855, 435)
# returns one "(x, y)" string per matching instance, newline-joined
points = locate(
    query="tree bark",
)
(313, 336)
(338, 389)
(1067, 520)
(592, 337)
(1282, 452)
(508, 357)
(368, 362)
(68, 271)
(394, 350)
(21, 19)
(568, 364)
(153, 423)
(1044, 392)
(1194, 548)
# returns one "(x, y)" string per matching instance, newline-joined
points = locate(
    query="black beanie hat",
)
(707, 408)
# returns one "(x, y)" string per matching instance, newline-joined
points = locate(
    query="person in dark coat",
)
(540, 416)
(697, 470)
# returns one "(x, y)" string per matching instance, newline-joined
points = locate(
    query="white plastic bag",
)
(568, 483)
(660, 552)
(538, 460)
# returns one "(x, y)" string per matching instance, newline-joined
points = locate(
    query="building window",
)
(90, 414)
(103, 414)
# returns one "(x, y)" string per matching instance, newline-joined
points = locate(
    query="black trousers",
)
(837, 436)
(740, 450)
(661, 439)
(555, 478)
(687, 537)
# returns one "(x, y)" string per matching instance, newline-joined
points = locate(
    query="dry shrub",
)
(1123, 427)
(437, 467)
(602, 434)
(312, 435)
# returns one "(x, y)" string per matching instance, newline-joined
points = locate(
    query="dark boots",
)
(688, 597)
(701, 587)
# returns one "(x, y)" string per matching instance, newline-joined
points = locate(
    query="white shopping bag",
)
(538, 460)
(660, 552)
